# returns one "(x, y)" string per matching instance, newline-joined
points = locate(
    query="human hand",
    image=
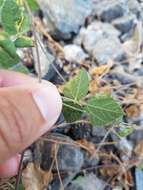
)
(27, 110)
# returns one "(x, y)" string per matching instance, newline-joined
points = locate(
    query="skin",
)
(27, 110)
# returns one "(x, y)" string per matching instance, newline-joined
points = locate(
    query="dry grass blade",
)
(36, 41)
(7, 184)
(19, 172)
(56, 162)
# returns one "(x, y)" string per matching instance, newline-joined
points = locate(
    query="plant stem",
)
(19, 172)
(36, 42)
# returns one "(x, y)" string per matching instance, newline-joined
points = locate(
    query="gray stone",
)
(136, 136)
(90, 160)
(98, 131)
(108, 10)
(101, 41)
(124, 146)
(135, 8)
(65, 17)
(125, 24)
(88, 182)
(108, 48)
(70, 158)
(139, 179)
(94, 32)
(74, 53)
(121, 76)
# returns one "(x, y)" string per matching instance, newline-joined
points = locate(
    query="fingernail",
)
(48, 101)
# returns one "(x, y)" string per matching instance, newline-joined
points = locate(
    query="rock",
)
(65, 17)
(46, 61)
(98, 131)
(108, 48)
(130, 47)
(88, 182)
(74, 53)
(139, 179)
(70, 158)
(121, 76)
(136, 136)
(94, 32)
(101, 41)
(46, 158)
(80, 131)
(56, 183)
(108, 10)
(125, 24)
(135, 8)
(124, 146)
(90, 160)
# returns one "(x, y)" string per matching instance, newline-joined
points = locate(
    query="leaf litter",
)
(109, 79)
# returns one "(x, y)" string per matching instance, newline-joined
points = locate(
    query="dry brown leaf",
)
(101, 70)
(89, 146)
(105, 89)
(139, 149)
(93, 86)
(128, 178)
(132, 111)
(110, 171)
(34, 178)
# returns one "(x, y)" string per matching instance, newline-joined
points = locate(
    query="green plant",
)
(15, 24)
(101, 109)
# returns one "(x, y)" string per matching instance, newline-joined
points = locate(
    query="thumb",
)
(26, 112)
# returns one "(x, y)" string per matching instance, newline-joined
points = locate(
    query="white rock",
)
(74, 53)
(108, 48)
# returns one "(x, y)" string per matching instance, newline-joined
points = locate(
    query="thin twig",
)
(56, 162)
(19, 172)
(103, 140)
(54, 67)
(36, 42)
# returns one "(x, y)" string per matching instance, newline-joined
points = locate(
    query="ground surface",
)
(106, 38)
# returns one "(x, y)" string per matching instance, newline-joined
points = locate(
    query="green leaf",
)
(7, 44)
(124, 132)
(1, 2)
(77, 88)
(11, 16)
(6, 60)
(33, 5)
(72, 112)
(102, 110)
(24, 24)
(8, 55)
(23, 41)
(20, 68)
